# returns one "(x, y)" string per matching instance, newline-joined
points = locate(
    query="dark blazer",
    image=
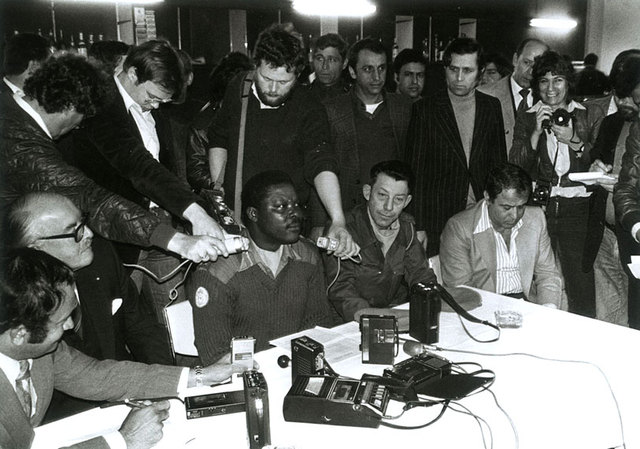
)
(345, 140)
(132, 333)
(76, 374)
(435, 152)
(110, 150)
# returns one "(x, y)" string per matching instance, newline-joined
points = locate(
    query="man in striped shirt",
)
(501, 244)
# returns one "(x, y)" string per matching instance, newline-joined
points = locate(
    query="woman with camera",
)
(551, 140)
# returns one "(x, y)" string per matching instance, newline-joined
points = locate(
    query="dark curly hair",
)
(68, 81)
(557, 64)
(279, 47)
(625, 75)
(31, 291)
(506, 177)
(108, 53)
(157, 61)
(331, 40)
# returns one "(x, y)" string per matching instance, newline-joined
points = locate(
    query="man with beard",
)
(267, 122)
(610, 244)
(275, 288)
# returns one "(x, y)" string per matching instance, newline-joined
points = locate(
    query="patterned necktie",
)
(23, 387)
(524, 93)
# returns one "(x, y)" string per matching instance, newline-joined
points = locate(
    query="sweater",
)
(240, 296)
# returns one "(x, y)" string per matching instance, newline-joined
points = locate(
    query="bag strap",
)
(246, 90)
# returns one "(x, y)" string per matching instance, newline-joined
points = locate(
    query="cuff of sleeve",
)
(634, 231)
(115, 440)
(183, 382)
(161, 235)
(320, 167)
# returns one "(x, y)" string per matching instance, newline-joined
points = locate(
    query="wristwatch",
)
(199, 375)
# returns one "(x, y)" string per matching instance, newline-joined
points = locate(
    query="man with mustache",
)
(501, 244)
(116, 323)
(275, 288)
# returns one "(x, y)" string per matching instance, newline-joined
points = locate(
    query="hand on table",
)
(142, 428)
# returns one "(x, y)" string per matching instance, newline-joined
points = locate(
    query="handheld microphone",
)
(414, 348)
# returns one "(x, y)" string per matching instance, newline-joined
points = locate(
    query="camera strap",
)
(246, 89)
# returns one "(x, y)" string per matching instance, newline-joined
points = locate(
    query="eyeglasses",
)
(154, 99)
(77, 234)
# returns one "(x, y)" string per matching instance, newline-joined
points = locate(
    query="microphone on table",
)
(414, 348)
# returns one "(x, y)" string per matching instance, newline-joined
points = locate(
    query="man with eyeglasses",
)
(128, 148)
(115, 321)
(455, 138)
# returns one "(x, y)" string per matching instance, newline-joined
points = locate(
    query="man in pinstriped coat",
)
(455, 137)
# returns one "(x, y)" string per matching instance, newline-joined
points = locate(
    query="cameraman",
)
(551, 140)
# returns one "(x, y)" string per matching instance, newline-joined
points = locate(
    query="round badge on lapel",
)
(202, 297)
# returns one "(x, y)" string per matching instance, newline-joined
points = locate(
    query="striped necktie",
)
(23, 387)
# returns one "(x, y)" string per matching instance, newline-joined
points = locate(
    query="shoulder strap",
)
(246, 90)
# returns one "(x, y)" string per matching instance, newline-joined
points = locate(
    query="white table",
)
(552, 404)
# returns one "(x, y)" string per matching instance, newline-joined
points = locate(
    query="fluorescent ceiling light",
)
(338, 8)
(111, 2)
(556, 24)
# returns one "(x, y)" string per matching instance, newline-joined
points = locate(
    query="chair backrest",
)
(179, 318)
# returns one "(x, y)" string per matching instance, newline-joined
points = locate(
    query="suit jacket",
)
(626, 196)
(110, 150)
(435, 152)
(345, 139)
(76, 374)
(470, 259)
(501, 89)
(29, 161)
(133, 332)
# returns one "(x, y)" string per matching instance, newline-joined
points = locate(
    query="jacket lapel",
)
(446, 120)
(12, 417)
(485, 244)
(526, 242)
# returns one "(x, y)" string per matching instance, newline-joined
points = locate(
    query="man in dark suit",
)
(367, 124)
(24, 53)
(116, 323)
(127, 148)
(36, 303)
(514, 91)
(455, 137)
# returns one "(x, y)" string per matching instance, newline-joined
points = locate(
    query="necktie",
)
(23, 387)
(524, 93)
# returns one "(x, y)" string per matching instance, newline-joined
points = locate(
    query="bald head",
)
(34, 219)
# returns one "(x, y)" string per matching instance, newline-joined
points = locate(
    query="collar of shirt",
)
(15, 89)
(613, 107)
(485, 221)
(128, 101)
(262, 105)
(32, 112)
(252, 257)
(515, 92)
(363, 107)
(11, 368)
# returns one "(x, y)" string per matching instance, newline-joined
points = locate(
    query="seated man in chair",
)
(501, 244)
(392, 257)
(275, 288)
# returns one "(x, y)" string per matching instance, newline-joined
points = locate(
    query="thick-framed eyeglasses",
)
(154, 99)
(77, 234)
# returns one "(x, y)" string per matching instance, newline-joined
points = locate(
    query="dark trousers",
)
(567, 221)
(628, 247)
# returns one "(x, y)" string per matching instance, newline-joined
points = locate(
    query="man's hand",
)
(217, 372)
(202, 223)
(346, 246)
(606, 182)
(142, 428)
(542, 114)
(198, 248)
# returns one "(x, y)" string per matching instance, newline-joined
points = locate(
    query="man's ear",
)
(486, 196)
(252, 214)
(352, 72)
(19, 335)
(407, 201)
(514, 60)
(32, 67)
(344, 64)
(132, 74)
(366, 191)
(396, 78)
